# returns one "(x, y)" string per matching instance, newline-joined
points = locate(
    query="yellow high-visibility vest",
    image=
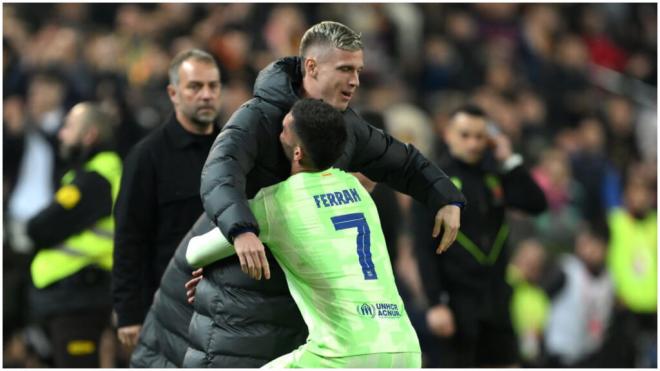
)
(92, 246)
(529, 304)
(633, 260)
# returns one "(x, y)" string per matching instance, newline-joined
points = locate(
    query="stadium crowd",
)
(573, 87)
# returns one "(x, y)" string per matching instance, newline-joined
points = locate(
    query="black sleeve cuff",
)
(240, 230)
(129, 318)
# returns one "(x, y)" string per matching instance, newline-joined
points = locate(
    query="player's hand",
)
(252, 255)
(128, 335)
(449, 217)
(440, 321)
(191, 285)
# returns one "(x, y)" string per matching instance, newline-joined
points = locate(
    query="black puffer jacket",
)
(245, 323)
(240, 322)
(164, 337)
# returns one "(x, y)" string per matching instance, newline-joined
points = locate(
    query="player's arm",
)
(401, 166)
(213, 246)
(384, 159)
(208, 248)
(203, 250)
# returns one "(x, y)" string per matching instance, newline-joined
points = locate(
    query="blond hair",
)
(330, 33)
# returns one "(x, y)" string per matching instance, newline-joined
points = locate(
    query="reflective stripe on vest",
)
(101, 233)
(476, 252)
(89, 247)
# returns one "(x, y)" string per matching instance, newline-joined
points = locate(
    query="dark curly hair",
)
(322, 130)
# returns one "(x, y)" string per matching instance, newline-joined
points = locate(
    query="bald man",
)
(72, 237)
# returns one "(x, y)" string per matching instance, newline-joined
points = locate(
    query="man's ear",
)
(171, 92)
(311, 67)
(445, 132)
(298, 153)
(90, 137)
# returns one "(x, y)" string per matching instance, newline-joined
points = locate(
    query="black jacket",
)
(470, 277)
(164, 336)
(232, 338)
(459, 272)
(240, 322)
(158, 202)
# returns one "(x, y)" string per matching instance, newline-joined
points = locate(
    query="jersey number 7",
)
(358, 221)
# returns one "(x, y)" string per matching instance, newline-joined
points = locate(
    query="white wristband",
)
(512, 162)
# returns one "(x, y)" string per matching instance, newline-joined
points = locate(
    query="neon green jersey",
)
(323, 229)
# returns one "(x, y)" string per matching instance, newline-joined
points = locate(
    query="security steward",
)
(73, 241)
(466, 285)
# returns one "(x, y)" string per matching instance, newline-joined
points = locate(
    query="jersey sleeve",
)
(208, 248)
(213, 245)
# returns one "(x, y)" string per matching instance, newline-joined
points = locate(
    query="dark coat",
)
(240, 322)
(470, 277)
(164, 337)
(490, 193)
(157, 204)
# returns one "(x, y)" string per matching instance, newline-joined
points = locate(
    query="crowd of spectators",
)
(574, 87)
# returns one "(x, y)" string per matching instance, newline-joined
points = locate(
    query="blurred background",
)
(573, 86)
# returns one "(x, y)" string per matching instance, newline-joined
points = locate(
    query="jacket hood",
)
(280, 82)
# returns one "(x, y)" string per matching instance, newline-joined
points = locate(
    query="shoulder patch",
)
(68, 196)
(457, 182)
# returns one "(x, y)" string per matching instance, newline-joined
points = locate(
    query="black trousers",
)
(484, 333)
(76, 336)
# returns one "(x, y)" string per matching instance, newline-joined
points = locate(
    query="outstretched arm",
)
(213, 246)
(401, 166)
(385, 159)
(208, 248)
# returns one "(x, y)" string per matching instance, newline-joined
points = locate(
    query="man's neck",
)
(188, 126)
(85, 155)
(306, 88)
(296, 168)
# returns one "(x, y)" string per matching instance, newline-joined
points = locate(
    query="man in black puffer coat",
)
(240, 322)
(164, 336)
